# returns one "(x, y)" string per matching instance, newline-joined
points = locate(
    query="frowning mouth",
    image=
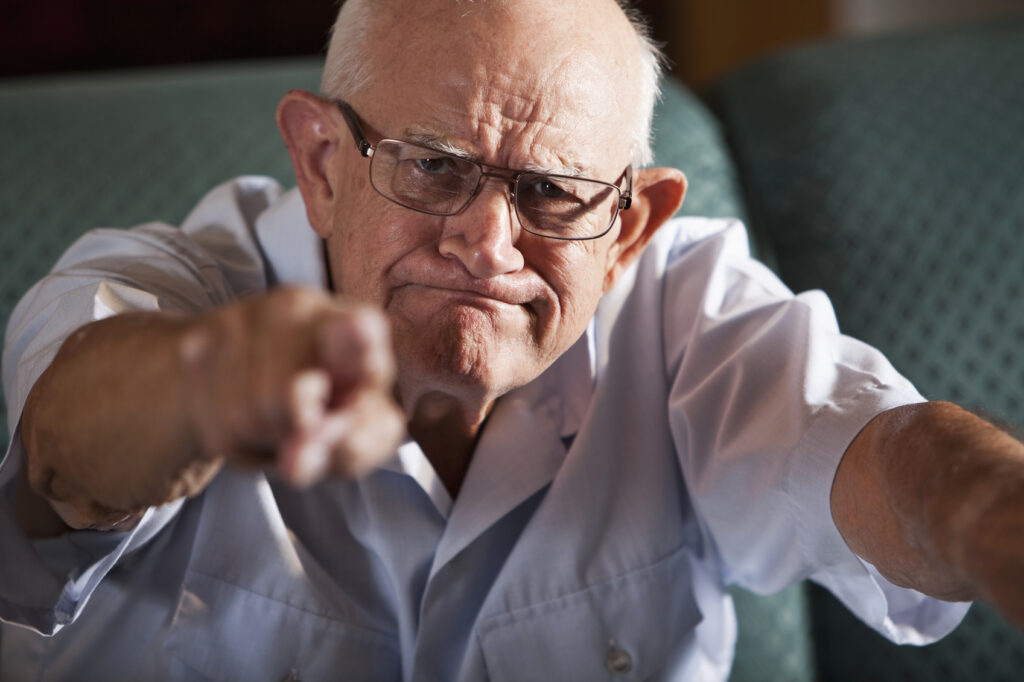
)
(483, 296)
(517, 295)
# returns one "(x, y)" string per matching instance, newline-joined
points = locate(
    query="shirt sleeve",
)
(766, 396)
(213, 259)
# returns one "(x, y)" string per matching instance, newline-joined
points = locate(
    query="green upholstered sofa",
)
(888, 172)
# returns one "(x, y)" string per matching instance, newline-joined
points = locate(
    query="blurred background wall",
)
(707, 37)
(703, 37)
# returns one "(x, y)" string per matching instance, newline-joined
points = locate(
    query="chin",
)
(465, 359)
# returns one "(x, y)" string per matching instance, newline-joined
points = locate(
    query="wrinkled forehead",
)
(524, 83)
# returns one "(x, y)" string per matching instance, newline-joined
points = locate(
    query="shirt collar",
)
(292, 250)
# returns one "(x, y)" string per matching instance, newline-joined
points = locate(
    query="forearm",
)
(918, 492)
(106, 427)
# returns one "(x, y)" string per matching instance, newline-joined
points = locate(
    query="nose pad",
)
(506, 188)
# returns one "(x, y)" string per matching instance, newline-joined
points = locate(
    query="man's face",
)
(477, 305)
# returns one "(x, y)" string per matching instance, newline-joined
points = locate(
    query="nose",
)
(483, 235)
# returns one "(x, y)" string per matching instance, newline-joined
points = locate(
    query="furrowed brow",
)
(441, 144)
(572, 171)
(436, 142)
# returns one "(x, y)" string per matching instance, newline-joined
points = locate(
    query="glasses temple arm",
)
(362, 144)
(626, 198)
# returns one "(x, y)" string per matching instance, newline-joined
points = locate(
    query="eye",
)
(549, 190)
(436, 165)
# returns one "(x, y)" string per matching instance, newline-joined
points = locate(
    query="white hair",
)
(652, 62)
(347, 69)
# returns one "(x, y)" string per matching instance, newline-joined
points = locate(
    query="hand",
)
(295, 379)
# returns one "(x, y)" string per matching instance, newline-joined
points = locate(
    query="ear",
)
(309, 126)
(657, 195)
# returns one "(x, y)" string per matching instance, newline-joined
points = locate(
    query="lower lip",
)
(478, 301)
(463, 296)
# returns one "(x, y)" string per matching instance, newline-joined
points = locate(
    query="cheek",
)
(365, 244)
(576, 275)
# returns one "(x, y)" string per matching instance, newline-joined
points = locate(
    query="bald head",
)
(595, 49)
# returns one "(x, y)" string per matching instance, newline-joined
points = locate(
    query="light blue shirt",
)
(686, 442)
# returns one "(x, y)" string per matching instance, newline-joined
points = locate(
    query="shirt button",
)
(618, 661)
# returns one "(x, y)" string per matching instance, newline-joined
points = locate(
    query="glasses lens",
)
(421, 178)
(565, 207)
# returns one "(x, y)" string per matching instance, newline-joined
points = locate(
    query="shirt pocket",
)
(624, 629)
(221, 631)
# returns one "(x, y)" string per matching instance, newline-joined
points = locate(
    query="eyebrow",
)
(436, 142)
(441, 144)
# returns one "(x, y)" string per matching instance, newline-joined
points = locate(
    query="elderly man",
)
(466, 405)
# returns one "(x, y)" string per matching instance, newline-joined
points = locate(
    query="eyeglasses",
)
(433, 182)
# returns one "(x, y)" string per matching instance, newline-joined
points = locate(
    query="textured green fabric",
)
(983, 649)
(774, 642)
(688, 137)
(890, 173)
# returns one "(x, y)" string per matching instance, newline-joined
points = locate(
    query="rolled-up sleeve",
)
(766, 396)
(44, 584)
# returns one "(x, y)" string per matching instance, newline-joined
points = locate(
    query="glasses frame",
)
(366, 149)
